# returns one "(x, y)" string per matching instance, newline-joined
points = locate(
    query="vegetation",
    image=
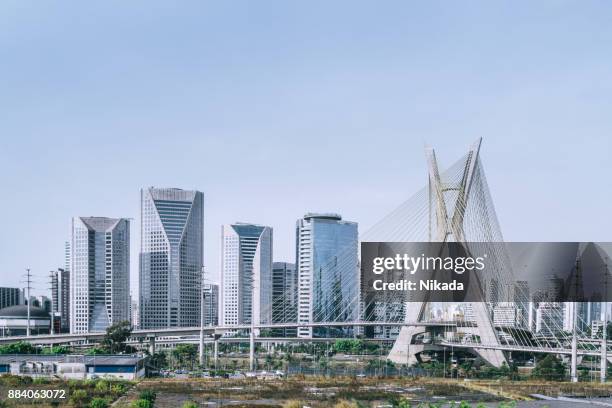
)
(185, 354)
(98, 403)
(550, 368)
(353, 346)
(92, 393)
(141, 403)
(116, 336)
(190, 404)
(148, 395)
(146, 399)
(20, 347)
(159, 360)
(78, 397)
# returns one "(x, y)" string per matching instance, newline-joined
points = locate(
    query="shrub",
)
(40, 380)
(78, 397)
(118, 388)
(102, 386)
(142, 403)
(190, 404)
(98, 403)
(147, 395)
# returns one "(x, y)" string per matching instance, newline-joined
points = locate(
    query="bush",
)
(549, 368)
(78, 397)
(147, 395)
(142, 403)
(98, 403)
(102, 386)
(118, 388)
(190, 404)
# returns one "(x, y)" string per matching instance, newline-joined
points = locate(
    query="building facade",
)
(328, 273)
(210, 297)
(100, 273)
(246, 274)
(10, 297)
(284, 296)
(60, 298)
(171, 258)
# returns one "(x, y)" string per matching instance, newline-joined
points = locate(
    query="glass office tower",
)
(100, 274)
(328, 273)
(171, 257)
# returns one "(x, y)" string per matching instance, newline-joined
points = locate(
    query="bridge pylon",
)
(449, 198)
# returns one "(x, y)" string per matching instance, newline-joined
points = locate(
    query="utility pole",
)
(577, 298)
(252, 334)
(28, 282)
(53, 304)
(202, 319)
(574, 362)
(604, 338)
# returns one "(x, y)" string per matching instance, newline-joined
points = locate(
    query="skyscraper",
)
(328, 273)
(100, 274)
(284, 296)
(60, 297)
(246, 274)
(171, 258)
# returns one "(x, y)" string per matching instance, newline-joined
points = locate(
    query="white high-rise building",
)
(100, 273)
(328, 273)
(246, 274)
(210, 297)
(171, 257)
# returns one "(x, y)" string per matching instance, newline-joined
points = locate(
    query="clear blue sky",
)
(273, 109)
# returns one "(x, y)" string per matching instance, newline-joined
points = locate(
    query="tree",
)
(116, 336)
(550, 368)
(21, 347)
(185, 353)
(159, 360)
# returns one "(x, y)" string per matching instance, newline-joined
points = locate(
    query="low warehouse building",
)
(125, 367)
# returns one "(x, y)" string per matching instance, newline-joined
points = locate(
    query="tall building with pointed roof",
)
(100, 273)
(171, 257)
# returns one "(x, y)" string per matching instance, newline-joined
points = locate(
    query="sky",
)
(274, 109)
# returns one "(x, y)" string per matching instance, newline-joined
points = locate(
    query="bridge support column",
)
(252, 350)
(202, 351)
(604, 360)
(216, 352)
(152, 345)
(574, 361)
